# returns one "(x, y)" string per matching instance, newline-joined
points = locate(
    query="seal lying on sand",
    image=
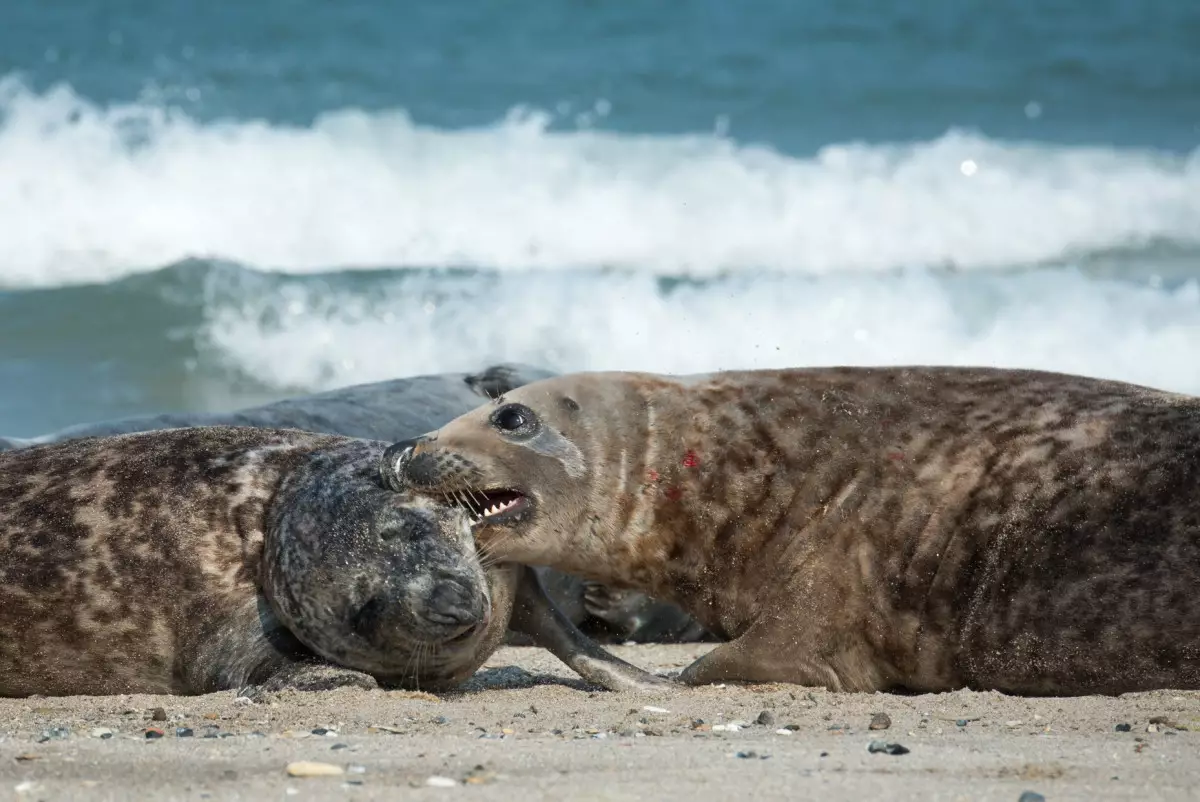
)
(860, 529)
(402, 408)
(192, 560)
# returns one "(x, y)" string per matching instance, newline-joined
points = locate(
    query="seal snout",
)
(393, 464)
(455, 609)
(404, 465)
(452, 609)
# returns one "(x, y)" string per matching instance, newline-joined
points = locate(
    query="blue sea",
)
(204, 205)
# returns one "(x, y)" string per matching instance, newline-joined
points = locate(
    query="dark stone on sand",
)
(1031, 796)
(1123, 727)
(880, 721)
(887, 748)
(765, 718)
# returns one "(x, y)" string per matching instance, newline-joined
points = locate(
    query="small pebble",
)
(1123, 728)
(53, 734)
(158, 714)
(725, 728)
(184, 732)
(750, 755)
(653, 709)
(1166, 722)
(321, 731)
(962, 722)
(441, 782)
(1151, 728)
(765, 718)
(887, 748)
(154, 732)
(356, 769)
(880, 721)
(305, 768)
(340, 746)
(1031, 796)
(783, 731)
(440, 720)
(102, 732)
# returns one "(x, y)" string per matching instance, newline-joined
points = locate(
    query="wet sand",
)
(525, 728)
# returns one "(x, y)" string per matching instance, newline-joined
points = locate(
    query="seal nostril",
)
(366, 621)
(452, 604)
(393, 464)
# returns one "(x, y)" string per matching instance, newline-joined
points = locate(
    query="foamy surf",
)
(306, 334)
(92, 193)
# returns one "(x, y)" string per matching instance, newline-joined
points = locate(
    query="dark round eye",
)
(513, 418)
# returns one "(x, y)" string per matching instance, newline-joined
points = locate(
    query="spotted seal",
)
(862, 529)
(401, 408)
(197, 559)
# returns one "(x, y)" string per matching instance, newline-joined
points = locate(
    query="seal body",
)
(197, 559)
(402, 408)
(855, 528)
(192, 560)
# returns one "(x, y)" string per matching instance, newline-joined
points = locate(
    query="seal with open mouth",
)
(858, 528)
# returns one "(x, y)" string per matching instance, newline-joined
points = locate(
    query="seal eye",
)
(515, 418)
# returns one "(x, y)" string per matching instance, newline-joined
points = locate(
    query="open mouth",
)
(492, 506)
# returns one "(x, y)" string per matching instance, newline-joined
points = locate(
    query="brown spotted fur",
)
(872, 528)
(197, 559)
(135, 564)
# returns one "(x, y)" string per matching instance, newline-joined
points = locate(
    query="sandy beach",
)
(525, 728)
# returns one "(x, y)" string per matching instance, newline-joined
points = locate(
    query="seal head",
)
(528, 464)
(369, 578)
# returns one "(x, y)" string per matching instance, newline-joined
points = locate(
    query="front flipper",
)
(765, 655)
(536, 616)
(637, 617)
(495, 381)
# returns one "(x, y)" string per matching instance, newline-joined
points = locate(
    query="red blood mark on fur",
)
(652, 475)
(690, 460)
(673, 493)
(895, 455)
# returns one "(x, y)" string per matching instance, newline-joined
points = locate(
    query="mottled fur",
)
(136, 564)
(192, 560)
(870, 528)
(400, 408)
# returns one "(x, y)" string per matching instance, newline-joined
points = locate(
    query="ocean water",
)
(208, 205)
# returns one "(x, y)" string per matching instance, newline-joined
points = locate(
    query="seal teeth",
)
(498, 507)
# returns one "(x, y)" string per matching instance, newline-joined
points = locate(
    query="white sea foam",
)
(90, 193)
(312, 336)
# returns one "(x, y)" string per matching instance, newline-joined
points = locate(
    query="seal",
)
(861, 529)
(398, 409)
(198, 559)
